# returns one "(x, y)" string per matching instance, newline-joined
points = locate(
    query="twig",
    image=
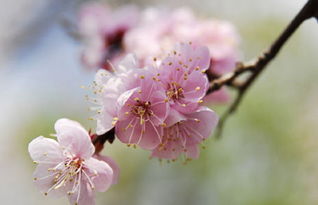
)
(308, 11)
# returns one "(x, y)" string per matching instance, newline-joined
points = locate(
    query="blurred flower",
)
(158, 31)
(102, 30)
(67, 166)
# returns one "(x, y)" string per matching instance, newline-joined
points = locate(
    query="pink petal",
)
(123, 101)
(159, 107)
(129, 134)
(184, 106)
(113, 165)
(221, 96)
(193, 56)
(74, 137)
(151, 137)
(203, 122)
(100, 173)
(192, 152)
(174, 117)
(196, 80)
(45, 149)
(83, 196)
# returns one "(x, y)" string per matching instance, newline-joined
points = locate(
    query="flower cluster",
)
(158, 107)
(151, 33)
(151, 99)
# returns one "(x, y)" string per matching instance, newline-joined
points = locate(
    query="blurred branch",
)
(256, 67)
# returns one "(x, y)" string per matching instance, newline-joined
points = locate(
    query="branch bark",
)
(255, 68)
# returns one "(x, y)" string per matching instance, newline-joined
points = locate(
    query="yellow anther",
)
(164, 125)
(197, 88)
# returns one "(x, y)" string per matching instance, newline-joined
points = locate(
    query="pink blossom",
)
(67, 166)
(185, 133)
(182, 74)
(102, 30)
(132, 101)
(108, 86)
(141, 116)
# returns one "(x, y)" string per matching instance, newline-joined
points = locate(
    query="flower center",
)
(175, 91)
(142, 110)
(72, 167)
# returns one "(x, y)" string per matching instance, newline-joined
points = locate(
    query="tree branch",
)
(259, 64)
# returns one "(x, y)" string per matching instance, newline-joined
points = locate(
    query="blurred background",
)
(269, 150)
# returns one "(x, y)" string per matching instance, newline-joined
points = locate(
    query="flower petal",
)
(74, 137)
(151, 137)
(203, 122)
(45, 149)
(174, 117)
(84, 195)
(100, 173)
(112, 164)
(193, 151)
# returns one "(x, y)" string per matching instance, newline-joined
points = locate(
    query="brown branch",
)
(99, 140)
(257, 66)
